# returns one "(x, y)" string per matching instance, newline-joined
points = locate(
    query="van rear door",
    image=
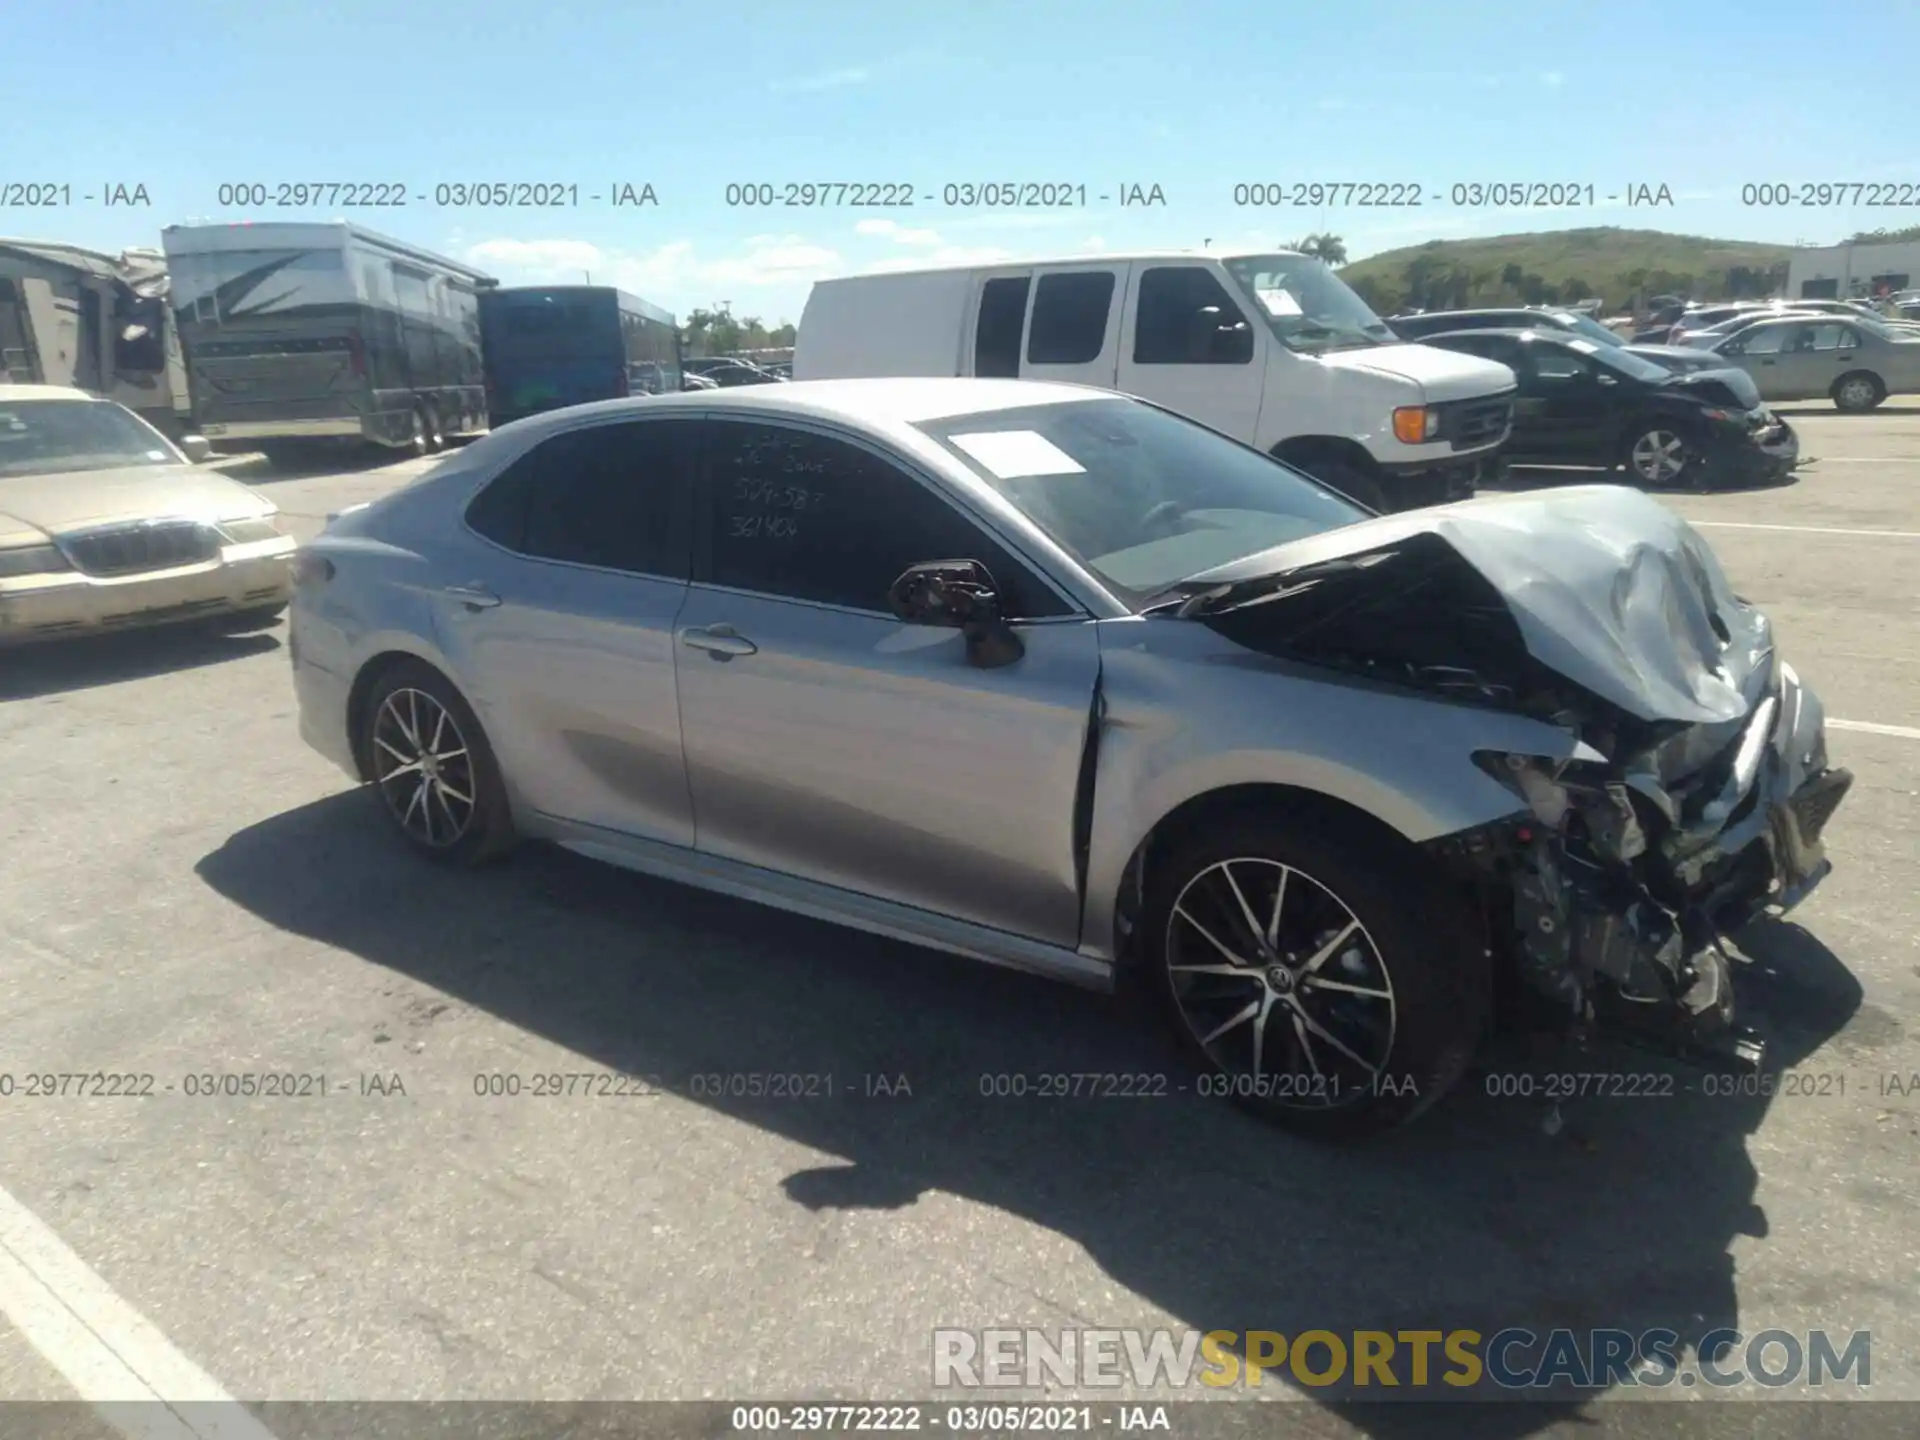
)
(1073, 323)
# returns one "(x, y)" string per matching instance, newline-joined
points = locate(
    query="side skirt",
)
(829, 903)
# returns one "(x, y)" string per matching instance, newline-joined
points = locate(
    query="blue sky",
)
(1702, 96)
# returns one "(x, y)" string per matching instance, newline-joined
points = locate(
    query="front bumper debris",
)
(1622, 876)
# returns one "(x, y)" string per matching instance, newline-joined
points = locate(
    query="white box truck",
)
(1270, 348)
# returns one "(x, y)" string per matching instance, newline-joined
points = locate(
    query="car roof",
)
(1551, 333)
(880, 403)
(1091, 257)
(43, 392)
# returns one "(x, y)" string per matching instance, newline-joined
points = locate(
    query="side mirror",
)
(961, 594)
(196, 448)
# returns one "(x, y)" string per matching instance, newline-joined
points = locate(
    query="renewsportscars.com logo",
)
(1460, 1360)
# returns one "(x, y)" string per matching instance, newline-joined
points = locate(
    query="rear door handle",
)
(474, 597)
(722, 642)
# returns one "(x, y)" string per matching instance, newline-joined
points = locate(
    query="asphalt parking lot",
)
(189, 891)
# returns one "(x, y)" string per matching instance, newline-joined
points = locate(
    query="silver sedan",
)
(1056, 679)
(1855, 363)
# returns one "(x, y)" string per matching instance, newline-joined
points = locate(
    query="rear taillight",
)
(622, 383)
(357, 357)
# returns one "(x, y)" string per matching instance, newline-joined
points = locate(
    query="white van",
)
(1273, 349)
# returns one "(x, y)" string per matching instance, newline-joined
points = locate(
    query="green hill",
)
(1565, 265)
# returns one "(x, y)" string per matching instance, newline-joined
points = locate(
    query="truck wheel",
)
(1349, 480)
(1317, 976)
(436, 432)
(418, 444)
(1857, 392)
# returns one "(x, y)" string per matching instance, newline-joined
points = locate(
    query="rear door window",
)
(1070, 313)
(996, 336)
(611, 496)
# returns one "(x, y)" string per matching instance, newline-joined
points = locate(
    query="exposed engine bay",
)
(1698, 785)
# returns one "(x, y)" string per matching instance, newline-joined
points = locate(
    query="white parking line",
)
(112, 1355)
(1867, 727)
(1802, 529)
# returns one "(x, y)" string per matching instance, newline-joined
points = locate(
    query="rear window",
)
(551, 324)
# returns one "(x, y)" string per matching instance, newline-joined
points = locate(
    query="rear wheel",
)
(436, 432)
(1862, 390)
(1316, 973)
(435, 773)
(1659, 454)
(418, 443)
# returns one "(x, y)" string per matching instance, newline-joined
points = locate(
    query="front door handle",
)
(722, 642)
(474, 597)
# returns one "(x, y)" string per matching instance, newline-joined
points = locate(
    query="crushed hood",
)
(1598, 584)
(82, 498)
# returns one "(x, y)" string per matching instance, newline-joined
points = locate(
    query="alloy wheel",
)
(423, 768)
(1856, 394)
(1658, 457)
(1280, 984)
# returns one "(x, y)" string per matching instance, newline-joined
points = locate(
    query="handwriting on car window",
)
(775, 488)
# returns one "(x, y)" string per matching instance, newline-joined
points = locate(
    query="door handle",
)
(474, 597)
(722, 642)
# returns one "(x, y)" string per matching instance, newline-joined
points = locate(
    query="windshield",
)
(1306, 305)
(1622, 362)
(227, 287)
(1140, 497)
(1587, 328)
(48, 437)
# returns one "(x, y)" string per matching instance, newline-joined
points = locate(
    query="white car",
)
(1272, 349)
(106, 524)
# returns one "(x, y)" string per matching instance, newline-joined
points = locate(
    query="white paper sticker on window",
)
(1010, 454)
(1280, 302)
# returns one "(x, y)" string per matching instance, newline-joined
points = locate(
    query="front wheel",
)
(433, 768)
(1858, 392)
(1660, 455)
(1317, 976)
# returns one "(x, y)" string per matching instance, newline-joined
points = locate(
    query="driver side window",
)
(1558, 365)
(803, 516)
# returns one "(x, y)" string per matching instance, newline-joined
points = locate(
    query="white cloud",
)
(946, 255)
(900, 234)
(1553, 79)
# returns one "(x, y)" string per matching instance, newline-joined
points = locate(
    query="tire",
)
(1424, 978)
(1858, 391)
(1349, 480)
(436, 432)
(1661, 455)
(419, 441)
(242, 622)
(458, 814)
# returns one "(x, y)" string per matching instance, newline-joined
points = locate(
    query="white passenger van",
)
(1273, 349)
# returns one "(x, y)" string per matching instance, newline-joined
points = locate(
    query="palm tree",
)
(1329, 248)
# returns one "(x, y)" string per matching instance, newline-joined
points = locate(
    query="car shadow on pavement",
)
(1484, 1215)
(1541, 477)
(57, 666)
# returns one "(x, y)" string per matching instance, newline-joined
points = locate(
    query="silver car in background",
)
(1056, 679)
(105, 524)
(1856, 363)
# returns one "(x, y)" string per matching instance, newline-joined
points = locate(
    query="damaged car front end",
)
(1697, 787)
